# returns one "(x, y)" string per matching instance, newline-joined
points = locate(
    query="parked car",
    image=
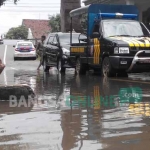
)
(1, 41)
(56, 51)
(24, 50)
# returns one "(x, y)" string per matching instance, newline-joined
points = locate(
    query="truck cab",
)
(116, 43)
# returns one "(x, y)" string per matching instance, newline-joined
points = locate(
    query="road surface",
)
(72, 112)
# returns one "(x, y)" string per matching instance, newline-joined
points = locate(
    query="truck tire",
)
(80, 68)
(45, 67)
(59, 66)
(107, 70)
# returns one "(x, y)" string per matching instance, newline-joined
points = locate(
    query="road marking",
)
(13, 68)
(5, 77)
(4, 59)
(121, 80)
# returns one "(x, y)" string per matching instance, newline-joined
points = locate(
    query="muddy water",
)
(72, 112)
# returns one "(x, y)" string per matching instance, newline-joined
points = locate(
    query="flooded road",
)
(72, 112)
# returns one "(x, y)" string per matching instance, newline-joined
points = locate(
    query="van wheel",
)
(107, 70)
(45, 67)
(80, 68)
(59, 66)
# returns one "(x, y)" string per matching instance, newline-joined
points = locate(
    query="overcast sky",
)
(12, 15)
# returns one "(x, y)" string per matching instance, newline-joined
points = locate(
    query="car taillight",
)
(32, 49)
(16, 49)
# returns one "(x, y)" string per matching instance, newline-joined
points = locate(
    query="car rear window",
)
(25, 44)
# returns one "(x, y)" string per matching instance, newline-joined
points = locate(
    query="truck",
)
(116, 42)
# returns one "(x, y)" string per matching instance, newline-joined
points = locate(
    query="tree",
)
(2, 2)
(17, 33)
(54, 22)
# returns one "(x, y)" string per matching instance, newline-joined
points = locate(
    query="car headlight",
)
(121, 50)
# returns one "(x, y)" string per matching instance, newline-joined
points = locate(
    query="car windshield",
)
(24, 45)
(122, 28)
(65, 38)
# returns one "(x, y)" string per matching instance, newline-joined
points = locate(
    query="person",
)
(2, 66)
(40, 50)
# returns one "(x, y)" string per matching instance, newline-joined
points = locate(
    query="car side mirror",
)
(95, 35)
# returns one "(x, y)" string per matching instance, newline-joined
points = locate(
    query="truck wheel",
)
(107, 70)
(80, 68)
(45, 67)
(59, 66)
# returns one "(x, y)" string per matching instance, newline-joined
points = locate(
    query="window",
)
(25, 44)
(144, 30)
(96, 28)
(50, 40)
(123, 27)
(55, 40)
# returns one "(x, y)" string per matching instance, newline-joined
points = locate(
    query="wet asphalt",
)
(74, 112)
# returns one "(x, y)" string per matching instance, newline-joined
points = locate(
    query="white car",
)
(24, 50)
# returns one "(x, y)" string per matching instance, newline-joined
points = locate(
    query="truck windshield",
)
(123, 28)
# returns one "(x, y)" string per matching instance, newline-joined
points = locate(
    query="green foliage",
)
(17, 33)
(54, 22)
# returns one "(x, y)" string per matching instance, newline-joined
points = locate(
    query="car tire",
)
(59, 66)
(15, 58)
(80, 68)
(45, 67)
(107, 70)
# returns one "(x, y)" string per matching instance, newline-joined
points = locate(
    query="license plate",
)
(24, 50)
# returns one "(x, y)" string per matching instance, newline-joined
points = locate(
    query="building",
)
(36, 28)
(66, 7)
(142, 5)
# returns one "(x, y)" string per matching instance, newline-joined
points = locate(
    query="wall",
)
(66, 7)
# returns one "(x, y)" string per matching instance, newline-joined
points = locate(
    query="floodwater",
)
(77, 112)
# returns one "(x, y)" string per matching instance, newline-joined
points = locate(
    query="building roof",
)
(38, 27)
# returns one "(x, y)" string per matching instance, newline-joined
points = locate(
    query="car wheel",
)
(15, 58)
(107, 70)
(45, 67)
(59, 66)
(80, 68)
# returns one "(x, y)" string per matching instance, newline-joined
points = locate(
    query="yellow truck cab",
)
(116, 43)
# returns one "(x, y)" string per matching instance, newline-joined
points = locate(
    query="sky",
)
(11, 15)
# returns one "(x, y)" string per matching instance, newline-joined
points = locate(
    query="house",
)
(36, 28)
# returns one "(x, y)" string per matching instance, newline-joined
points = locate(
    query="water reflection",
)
(80, 112)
